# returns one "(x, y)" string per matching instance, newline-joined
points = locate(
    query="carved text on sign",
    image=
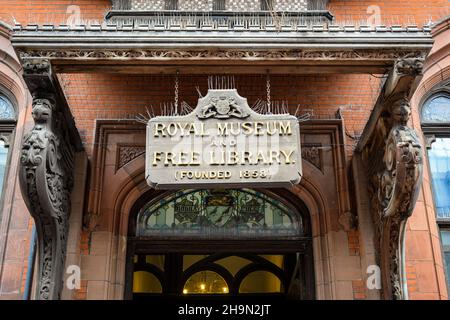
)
(222, 142)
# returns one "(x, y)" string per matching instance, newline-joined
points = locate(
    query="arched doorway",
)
(219, 243)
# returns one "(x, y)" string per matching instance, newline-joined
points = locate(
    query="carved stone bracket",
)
(393, 157)
(46, 177)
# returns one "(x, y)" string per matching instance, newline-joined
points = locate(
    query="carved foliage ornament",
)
(127, 153)
(312, 152)
(46, 181)
(150, 54)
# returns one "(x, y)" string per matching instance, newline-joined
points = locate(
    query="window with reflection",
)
(3, 161)
(439, 159)
(445, 237)
(7, 125)
(437, 109)
(436, 127)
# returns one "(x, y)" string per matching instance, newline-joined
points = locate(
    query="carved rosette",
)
(46, 182)
(393, 156)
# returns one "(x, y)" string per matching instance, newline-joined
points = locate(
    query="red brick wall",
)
(350, 11)
(53, 12)
(392, 12)
(93, 96)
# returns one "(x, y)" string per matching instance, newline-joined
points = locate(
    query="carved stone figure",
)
(222, 107)
(393, 156)
(46, 182)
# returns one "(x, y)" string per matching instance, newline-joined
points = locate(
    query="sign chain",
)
(176, 93)
(268, 93)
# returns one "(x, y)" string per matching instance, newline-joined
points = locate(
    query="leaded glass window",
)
(6, 109)
(218, 214)
(437, 109)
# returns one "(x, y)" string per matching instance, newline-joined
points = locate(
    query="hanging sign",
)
(223, 143)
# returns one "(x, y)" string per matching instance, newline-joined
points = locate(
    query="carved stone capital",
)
(429, 140)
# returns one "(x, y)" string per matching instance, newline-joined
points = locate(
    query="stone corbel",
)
(429, 140)
(393, 155)
(46, 175)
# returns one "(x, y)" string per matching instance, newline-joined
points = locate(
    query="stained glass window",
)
(6, 109)
(218, 214)
(437, 109)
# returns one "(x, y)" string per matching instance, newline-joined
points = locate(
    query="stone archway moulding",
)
(133, 189)
(117, 181)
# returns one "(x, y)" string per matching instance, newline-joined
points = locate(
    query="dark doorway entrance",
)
(216, 244)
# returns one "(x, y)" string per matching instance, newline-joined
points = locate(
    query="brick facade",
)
(401, 12)
(94, 96)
